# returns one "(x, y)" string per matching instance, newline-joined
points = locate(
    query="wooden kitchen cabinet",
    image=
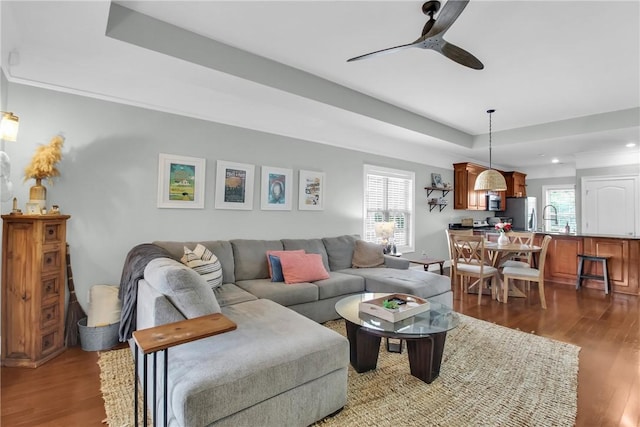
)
(33, 288)
(464, 179)
(516, 184)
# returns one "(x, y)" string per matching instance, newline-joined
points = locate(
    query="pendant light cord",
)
(490, 113)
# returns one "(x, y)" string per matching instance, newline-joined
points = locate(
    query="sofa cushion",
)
(340, 250)
(310, 246)
(367, 255)
(229, 294)
(301, 267)
(280, 292)
(205, 263)
(221, 248)
(250, 259)
(185, 288)
(420, 283)
(339, 284)
(293, 351)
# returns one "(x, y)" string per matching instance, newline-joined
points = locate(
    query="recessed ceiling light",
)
(631, 144)
(555, 161)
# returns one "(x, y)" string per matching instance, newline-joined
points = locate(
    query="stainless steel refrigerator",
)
(523, 212)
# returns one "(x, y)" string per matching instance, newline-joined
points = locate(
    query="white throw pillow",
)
(205, 263)
(104, 306)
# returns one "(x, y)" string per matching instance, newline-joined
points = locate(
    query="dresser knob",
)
(48, 316)
(50, 231)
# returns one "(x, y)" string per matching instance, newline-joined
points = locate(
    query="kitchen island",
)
(623, 264)
(562, 259)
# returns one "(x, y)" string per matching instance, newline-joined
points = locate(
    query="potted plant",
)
(43, 166)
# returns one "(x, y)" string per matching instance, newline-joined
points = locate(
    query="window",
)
(388, 196)
(563, 199)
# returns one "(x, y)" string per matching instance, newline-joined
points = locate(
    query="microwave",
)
(493, 202)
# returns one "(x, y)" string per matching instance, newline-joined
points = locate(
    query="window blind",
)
(389, 197)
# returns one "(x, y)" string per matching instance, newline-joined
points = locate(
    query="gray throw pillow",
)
(367, 255)
(185, 288)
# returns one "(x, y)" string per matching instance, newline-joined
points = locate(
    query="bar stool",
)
(605, 276)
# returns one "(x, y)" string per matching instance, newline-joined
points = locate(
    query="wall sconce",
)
(8, 132)
(9, 126)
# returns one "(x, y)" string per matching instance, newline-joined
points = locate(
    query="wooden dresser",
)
(33, 288)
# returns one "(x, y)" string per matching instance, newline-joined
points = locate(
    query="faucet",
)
(554, 217)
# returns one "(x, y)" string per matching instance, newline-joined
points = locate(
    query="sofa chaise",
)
(280, 366)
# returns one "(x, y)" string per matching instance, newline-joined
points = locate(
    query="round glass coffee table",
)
(424, 333)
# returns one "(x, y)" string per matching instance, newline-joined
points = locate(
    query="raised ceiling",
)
(563, 76)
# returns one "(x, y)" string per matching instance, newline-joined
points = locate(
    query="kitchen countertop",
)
(606, 236)
(491, 230)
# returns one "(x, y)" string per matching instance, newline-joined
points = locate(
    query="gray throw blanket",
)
(134, 265)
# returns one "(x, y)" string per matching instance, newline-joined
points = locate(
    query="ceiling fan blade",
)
(383, 51)
(447, 16)
(459, 55)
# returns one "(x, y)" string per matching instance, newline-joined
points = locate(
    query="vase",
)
(38, 194)
(503, 239)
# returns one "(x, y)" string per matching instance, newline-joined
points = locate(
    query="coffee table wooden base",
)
(425, 353)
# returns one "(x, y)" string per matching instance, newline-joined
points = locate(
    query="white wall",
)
(109, 181)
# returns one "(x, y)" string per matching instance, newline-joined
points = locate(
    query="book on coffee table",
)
(406, 306)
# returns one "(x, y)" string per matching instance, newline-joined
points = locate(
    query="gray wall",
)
(109, 181)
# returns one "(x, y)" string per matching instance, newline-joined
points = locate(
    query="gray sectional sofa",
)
(279, 367)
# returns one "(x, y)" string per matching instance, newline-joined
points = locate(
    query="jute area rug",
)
(490, 376)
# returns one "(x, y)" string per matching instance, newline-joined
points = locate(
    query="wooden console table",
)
(161, 338)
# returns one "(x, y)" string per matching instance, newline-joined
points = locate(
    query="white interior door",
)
(610, 206)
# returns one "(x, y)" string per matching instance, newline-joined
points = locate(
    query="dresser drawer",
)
(49, 316)
(53, 232)
(50, 288)
(51, 260)
(50, 341)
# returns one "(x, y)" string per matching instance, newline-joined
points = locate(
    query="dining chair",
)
(528, 274)
(449, 233)
(469, 257)
(520, 260)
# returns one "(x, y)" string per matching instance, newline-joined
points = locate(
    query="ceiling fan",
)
(433, 35)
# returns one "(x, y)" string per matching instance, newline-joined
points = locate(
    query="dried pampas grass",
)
(43, 163)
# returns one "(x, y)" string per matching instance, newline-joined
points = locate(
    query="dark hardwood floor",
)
(65, 391)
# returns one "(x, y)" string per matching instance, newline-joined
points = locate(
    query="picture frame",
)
(33, 208)
(436, 180)
(276, 189)
(181, 181)
(234, 185)
(311, 192)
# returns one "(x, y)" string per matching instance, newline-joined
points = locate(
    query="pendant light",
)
(491, 179)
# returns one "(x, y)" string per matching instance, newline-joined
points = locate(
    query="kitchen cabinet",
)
(464, 196)
(516, 184)
(33, 288)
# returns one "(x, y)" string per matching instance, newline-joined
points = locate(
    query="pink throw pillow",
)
(278, 253)
(298, 268)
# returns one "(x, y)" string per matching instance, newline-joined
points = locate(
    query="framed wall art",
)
(311, 191)
(436, 180)
(180, 182)
(276, 189)
(234, 185)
